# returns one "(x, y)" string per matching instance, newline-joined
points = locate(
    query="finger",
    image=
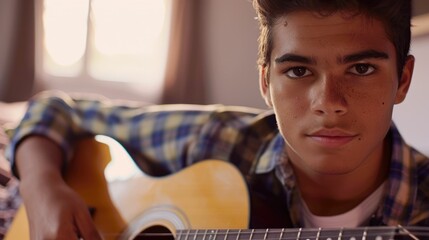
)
(56, 229)
(67, 233)
(86, 227)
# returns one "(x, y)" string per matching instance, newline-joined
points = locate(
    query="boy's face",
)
(333, 83)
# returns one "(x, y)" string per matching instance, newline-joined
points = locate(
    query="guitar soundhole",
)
(155, 233)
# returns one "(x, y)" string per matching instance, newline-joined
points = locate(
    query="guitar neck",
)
(364, 233)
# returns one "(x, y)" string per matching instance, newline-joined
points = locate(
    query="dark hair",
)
(394, 14)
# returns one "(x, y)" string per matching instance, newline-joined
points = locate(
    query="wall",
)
(7, 11)
(16, 49)
(412, 116)
(230, 35)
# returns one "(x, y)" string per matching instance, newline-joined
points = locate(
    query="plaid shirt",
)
(166, 139)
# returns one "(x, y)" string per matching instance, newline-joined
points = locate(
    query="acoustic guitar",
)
(206, 201)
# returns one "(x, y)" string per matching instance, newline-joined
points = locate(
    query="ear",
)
(405, 80)
(264, 83)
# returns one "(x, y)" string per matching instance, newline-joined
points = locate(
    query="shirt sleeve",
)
(160, 134)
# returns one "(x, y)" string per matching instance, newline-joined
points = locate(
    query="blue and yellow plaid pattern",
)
(166, 138)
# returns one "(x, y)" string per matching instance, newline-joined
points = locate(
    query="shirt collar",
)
(401, 187)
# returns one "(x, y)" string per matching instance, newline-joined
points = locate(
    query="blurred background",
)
(160, 51)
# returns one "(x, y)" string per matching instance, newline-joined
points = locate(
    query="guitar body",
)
(208, 200)
(210, 194)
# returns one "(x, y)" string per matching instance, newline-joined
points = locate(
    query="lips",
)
(331, 137)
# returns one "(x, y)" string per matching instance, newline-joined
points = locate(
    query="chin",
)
(329, 167)
(333, 172)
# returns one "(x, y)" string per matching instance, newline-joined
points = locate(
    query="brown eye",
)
(298, 72)
(362, 69)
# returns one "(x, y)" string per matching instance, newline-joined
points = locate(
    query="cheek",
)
(290, 103)
(290, 108)
(378, 114)
(371, 110)
(375, 102)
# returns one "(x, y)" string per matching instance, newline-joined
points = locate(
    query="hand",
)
(55, 211)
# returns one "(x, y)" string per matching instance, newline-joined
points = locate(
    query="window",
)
(116, 48)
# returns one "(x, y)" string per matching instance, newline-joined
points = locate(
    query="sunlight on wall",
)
(126, 39)
(65, 29)
(111, 40)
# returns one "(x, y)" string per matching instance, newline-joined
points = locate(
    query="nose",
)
(328, 97)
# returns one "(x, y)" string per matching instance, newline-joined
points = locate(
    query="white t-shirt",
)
(356, 217)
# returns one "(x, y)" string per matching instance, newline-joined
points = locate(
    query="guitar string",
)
(408, 232)
(288, 230)
(346, 236)
(397, 231)
(343, 235)
(333, 237)
(413, 232)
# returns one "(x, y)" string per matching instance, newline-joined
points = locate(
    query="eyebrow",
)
(367, 54)
(355, 57)
(290, 57)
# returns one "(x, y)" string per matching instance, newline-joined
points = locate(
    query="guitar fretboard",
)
(364, 233)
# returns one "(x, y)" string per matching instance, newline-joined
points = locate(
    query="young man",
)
(328, 154)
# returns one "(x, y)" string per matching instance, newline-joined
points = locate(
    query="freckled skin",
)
(334, 95)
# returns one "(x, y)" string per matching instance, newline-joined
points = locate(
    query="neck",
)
(290, 233)
(333, 194)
